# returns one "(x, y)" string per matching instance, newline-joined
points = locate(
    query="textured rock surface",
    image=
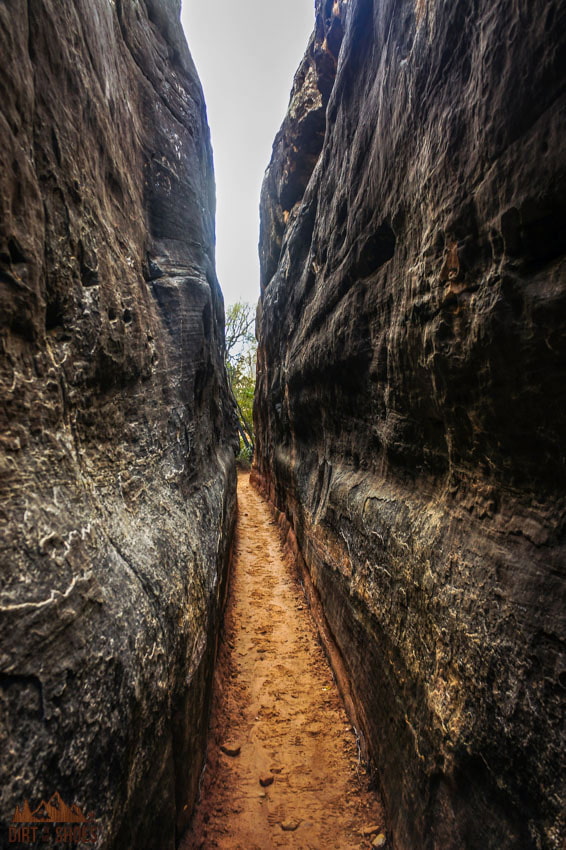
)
(411, 409)
(117, 480)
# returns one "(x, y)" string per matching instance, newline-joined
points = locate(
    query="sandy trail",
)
(275, 698)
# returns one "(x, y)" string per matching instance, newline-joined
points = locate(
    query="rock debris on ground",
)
(297, 781)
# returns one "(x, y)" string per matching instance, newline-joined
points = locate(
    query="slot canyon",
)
(360, 642)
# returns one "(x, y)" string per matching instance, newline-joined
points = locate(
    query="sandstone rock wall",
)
(116, 447)
(411, 397)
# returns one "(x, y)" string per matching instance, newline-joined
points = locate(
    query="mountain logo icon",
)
(54, 811)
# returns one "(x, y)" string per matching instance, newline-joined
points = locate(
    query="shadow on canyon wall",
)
(410, 408)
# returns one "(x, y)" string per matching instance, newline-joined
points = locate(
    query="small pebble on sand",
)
(370, 830)
(289, 825)
(266, 780)
(231, 749)
(379, 841)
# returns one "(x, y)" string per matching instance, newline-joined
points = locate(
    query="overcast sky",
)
(246, 53)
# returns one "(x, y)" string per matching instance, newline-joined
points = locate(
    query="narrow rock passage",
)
(296, 781)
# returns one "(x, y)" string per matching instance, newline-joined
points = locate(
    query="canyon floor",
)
(296, 780)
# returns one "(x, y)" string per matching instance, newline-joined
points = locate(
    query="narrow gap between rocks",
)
(283, 768)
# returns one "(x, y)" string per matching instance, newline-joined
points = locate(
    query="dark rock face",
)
(117, 478)
(411, 400)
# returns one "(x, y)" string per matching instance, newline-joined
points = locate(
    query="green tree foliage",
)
(241, 348)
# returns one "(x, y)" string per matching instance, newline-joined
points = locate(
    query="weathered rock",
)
(298, 144)
(410, 400)
(231, 749)
(370, 830)
(290, 825)
(117, 479)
